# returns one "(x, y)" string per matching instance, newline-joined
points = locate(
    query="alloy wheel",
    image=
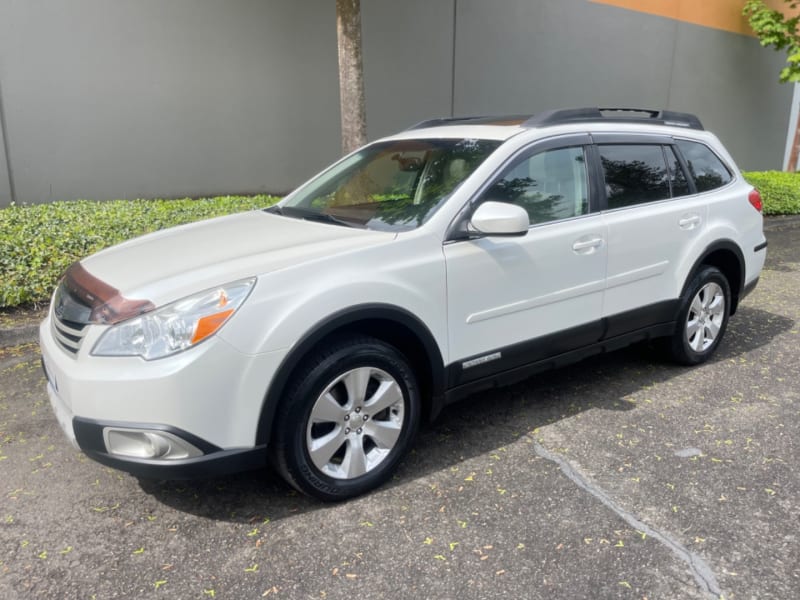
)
(355, 423)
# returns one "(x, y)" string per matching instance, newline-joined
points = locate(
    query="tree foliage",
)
(778, 31)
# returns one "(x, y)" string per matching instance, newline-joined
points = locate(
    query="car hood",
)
(170, 264)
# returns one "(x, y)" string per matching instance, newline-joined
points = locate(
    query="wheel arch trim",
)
(334, 323)
(725, 245)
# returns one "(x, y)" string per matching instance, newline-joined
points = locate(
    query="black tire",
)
(331, 374)
(701, 321)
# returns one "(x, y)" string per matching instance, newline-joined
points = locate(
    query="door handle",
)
(587, 245)
(689, 221)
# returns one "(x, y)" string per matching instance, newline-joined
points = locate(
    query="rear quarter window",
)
(705, 167)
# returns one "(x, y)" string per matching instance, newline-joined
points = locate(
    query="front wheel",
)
(702, 317)
(350, 415)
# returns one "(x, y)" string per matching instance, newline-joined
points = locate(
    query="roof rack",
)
(476, 120)
(615, 115)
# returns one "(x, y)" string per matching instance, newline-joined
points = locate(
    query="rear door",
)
(651, 219)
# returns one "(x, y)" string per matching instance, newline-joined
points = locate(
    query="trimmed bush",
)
(780, 191)
(38, 242)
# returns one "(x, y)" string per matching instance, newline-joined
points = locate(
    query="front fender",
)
(340, 321)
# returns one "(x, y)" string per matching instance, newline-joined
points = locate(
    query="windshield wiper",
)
(326, 218)
(311, 215)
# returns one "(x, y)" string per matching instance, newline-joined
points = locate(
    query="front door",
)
(516, 300)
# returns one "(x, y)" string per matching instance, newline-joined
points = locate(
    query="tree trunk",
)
(351, 75)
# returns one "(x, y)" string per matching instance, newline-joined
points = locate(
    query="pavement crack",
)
(700, 570)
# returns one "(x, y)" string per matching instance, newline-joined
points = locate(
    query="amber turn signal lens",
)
(206, 326)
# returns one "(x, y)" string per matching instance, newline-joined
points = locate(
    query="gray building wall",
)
(408, 61)
(142, 98)
(139, 98)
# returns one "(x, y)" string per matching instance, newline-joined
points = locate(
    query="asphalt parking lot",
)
(620, 477)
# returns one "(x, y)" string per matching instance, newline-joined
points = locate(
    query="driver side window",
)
(549, 185)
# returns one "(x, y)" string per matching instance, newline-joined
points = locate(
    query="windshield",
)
(390, 186)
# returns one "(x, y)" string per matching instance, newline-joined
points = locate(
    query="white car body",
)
(473, 302)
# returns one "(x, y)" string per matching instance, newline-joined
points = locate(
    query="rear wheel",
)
(702, 317)
(350, 415)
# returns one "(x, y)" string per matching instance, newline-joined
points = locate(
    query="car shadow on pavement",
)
(479, 424)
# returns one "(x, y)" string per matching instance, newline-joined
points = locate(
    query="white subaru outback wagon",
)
(454, 256)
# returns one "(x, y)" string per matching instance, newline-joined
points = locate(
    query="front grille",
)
(68, 334)
(70, 318)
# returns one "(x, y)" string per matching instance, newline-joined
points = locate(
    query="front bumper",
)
(213, 462)
(208, 398)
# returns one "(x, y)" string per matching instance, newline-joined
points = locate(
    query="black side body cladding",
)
(525, 359)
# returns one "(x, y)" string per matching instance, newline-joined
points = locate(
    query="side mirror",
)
(500, 218)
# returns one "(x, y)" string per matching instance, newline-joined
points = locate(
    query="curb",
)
(21, 334)
(778, 222)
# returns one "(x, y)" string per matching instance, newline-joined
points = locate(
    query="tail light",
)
(755, 199)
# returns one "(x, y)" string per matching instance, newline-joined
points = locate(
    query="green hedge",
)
(780, 191)
(37, 243)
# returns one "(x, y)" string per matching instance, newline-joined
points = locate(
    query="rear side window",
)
(634, 174)
(707, 170)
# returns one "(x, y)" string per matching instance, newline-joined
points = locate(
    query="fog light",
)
(139, 443)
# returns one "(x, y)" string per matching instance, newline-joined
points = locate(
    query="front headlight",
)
(174, 327)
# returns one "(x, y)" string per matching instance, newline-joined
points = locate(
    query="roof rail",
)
(476, 120)
(433, 123)
(615, 115)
